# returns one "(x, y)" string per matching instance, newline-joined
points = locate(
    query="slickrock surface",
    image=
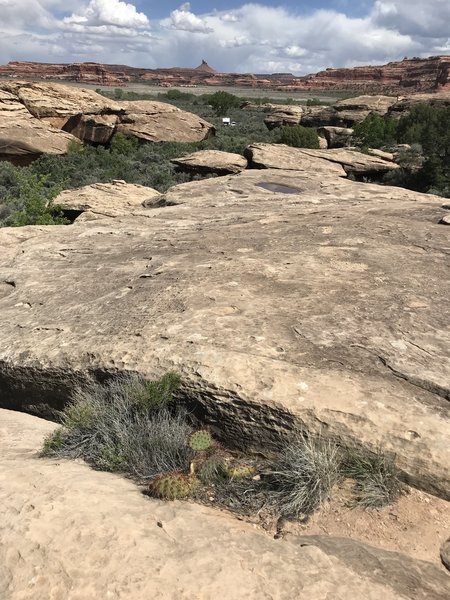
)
(282, 297)
(343, 161)
(70, 533)
(108, 199)
(212, 161)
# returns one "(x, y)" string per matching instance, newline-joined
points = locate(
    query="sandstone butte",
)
(407, 76)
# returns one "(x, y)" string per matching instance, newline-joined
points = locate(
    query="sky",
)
(232, 36)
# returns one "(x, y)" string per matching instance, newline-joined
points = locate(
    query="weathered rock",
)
(23, 137)
(277, 156)
(211, 161)
(282, 297)
(32, 116)
(160, 122)
(355, 110)
(72, 512)
(445, 554)
(405, 104)
(107, 199)
(280, 156)
(57, 100)
(320, 116)
(283, 114)
(445, 220)
(381, 154)
(337, 137)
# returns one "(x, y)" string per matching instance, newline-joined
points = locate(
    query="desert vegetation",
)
(425, 159)
(141, 429)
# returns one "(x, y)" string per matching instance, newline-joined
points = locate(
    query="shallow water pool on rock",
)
(278, 187)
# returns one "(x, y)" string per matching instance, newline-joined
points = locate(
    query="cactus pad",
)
(200, 441)
(173, 486)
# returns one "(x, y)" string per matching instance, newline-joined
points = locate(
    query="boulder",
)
(282, 114)
(211, 161)
(58, 100)
(23, 137)
(108, 199)
(284, 298)
(355, 110)
(38, 117)
(320, 116)
(277, 156)
(159, 122)
(337, 137)
(60, 522)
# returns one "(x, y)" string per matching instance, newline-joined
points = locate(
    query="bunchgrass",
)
(302, 477)
(376, 477)
(127, 425)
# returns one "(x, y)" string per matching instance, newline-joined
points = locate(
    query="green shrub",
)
(222, 102)
(376, 131)
(298, 137)
(32, 202)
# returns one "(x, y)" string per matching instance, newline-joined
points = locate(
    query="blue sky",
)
(233, 36)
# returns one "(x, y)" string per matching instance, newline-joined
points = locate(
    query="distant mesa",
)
(410, 75)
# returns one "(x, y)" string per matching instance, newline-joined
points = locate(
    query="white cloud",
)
(100, 13)
(414, 17)
(182, 19)
(252, 38)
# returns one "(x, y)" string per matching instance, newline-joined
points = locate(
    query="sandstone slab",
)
(107, 199)
(277, 156)
(160, 122)
(212, 161)
(284, 298)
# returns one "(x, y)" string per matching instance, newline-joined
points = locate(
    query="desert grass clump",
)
(302, 477)
(128, 425)
(376, 477)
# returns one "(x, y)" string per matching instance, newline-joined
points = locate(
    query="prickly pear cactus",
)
(173, 486)
(200, 440)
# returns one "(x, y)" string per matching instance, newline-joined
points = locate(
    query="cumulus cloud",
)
(183, 19)
(251, 38)
(100, 13)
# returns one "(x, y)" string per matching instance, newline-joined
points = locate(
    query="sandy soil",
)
(416, 525)
(70, 533)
